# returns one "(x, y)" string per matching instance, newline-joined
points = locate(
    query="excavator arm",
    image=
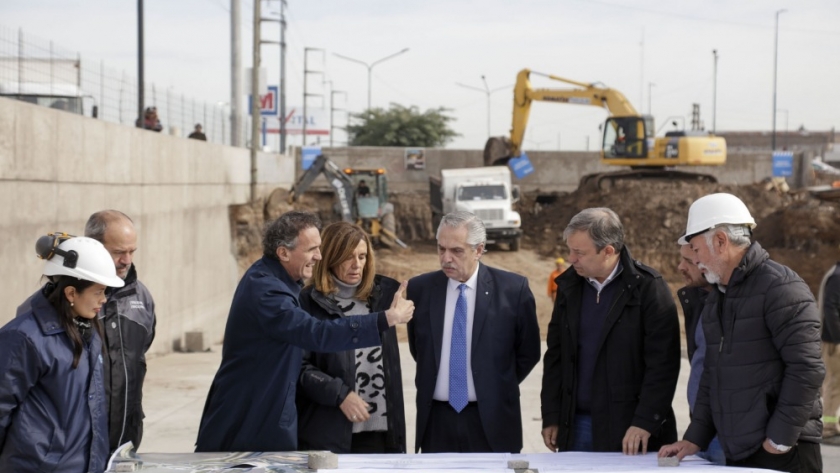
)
(340, 182)
(499, 150)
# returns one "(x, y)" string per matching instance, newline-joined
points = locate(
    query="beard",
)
(711, 276)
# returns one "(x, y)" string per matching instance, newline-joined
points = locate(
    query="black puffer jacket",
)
(327, 378)
(763, 369)
(638, 360)
(128, 320)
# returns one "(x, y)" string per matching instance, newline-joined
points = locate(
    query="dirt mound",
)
(797, 230)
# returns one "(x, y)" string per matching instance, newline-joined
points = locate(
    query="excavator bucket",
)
(497, 151)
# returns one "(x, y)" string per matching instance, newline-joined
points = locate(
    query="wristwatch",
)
(781, 448)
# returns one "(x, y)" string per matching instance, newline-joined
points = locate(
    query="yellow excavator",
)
(628, 137)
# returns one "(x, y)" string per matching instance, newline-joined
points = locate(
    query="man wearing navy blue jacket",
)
(251, 403)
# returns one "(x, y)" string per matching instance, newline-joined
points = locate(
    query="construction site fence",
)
(31, 63)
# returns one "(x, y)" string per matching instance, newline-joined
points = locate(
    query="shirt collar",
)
(600, 285)
(471, 283)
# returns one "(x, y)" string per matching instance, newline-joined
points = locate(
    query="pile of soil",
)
(796, 229)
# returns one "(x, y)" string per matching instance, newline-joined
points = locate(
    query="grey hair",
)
(476, 233)
(601, 224)
(97, 224)
(739, 235)
(285, 230)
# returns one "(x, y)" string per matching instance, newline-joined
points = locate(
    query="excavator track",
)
(606, 180)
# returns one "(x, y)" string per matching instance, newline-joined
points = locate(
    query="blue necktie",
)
(458, 393)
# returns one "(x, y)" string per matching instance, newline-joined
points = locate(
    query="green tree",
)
(401, 126)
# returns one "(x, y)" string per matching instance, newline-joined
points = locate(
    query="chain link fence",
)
(37, 71)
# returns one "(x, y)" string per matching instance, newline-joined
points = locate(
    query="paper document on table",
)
(430, 461)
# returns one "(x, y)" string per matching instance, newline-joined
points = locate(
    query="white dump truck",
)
(487, 192)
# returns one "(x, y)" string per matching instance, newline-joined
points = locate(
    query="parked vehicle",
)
(487, 192)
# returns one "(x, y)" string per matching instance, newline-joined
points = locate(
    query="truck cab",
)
(64, 97)
(486, 192)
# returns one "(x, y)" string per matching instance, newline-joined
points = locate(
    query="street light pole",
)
(486, 90)
(140, 60)
(714, 94)
(786, 125)
(775, 72)
(370, 67)
(650, 92)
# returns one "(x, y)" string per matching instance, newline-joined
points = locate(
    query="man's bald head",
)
(115, 230)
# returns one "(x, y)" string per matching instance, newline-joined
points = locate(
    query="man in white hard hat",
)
(759, 391)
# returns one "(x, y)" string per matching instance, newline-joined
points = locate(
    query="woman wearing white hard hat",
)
(52, 397)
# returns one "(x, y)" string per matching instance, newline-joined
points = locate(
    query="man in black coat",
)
(475, 338)
(759, 392)
(613, 357)
(692, 298)
(251, 403)
(829, 305)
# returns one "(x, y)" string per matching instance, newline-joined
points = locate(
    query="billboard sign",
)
(782, 164)
(268, 102)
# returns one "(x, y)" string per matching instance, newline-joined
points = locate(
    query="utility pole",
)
(642, 69)
(775, 71)
(333, 110)
(283, 76)
(140, 53)
(695, 117)
(306, 94)
(235, 73)
(714, 94)
(255, 100)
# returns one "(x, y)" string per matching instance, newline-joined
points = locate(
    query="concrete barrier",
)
(57, 168)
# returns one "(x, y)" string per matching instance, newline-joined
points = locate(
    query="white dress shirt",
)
(452, 292)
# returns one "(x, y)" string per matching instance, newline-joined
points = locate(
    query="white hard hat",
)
(82, 258)
(712, 210)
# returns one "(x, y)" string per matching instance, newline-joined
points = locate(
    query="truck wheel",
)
(514, 244)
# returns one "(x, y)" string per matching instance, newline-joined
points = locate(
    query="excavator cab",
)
(627, 137)
(371, 191)
(361, 197)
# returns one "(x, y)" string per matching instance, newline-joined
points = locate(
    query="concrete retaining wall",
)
(555, 170)
(57, 168)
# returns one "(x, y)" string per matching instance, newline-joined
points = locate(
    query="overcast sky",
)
(626, 45)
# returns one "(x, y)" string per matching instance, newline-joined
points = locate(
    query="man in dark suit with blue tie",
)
(475, 337)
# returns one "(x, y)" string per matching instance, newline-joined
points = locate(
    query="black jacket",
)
(327, 378)
(128, 321)
(830, 305)
(692, 300)
(638, 360)
(763, 379)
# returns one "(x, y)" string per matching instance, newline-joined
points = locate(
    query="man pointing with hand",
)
(251, 403)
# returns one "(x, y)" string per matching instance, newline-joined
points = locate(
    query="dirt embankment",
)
(797, 230)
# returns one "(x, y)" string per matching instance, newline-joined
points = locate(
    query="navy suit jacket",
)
(505, 347)
(251, 404)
